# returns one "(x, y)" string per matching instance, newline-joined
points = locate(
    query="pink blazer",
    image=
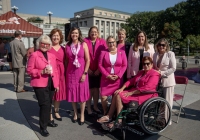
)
(167, 67)
(36, 64)
(119, 66)
(148, 82)
(94, 56)
(134, 60)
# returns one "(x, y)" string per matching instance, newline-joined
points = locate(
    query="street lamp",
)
(14, 8)
(49, 13)
(188, 49)
(77, 17)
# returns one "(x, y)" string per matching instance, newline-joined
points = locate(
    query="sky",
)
(67, 8)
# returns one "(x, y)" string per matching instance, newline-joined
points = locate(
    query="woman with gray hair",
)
(165, 62)
(42, 68)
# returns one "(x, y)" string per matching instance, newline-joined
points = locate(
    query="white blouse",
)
(113, 58)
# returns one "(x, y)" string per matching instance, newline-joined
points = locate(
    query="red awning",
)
(10, 22)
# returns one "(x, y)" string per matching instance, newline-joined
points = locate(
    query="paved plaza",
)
(19, 116)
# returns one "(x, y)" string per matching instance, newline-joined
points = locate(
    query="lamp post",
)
(14, 8)
(49, 13)
(77, 17)
(188, 49)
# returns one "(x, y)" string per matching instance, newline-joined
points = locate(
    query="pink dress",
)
(142, 82)
(60, 59)
(76, 91)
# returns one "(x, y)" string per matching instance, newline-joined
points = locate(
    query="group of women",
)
(76, 72)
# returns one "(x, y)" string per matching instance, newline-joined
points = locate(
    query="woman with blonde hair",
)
(123, 45)
(165, 62)
(112, 65)
(138, 50)
(95, 46)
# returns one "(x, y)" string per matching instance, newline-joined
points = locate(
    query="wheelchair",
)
(153, 116)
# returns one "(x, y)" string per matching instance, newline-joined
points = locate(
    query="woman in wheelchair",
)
(146, 80)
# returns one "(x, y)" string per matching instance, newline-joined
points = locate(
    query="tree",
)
(35, 20)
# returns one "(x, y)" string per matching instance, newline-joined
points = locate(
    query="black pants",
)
(44, 96)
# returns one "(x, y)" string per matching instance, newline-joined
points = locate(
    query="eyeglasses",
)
(111, 42)
(144, 64)
(44, 44)
(163, 45)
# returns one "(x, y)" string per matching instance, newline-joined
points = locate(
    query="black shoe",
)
(74, 121)
(59, 119)
(81, 123)
(44, 133)
(52, 124)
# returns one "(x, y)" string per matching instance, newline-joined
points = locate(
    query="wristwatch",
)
(85, 73)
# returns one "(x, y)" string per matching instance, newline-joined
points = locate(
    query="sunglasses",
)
(144, 64)
(163, 45)
(44, 44)
(111, 42)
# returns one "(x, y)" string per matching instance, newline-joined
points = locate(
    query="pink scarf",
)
(75, 52)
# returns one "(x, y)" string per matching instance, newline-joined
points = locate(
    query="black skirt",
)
(94, 81)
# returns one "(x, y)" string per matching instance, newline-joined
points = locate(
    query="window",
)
(112, 24)
(97, 22)
(85, 23)
(111, 15)
(60, 27)
(100, 13)
(124, 17)
(102, 23)
(80, 23)
(117, 24)
(1, 6)
(106, 14)
(46, 26)
(112, 30)
(101, 36)
(115, 15)
(101, 30)
(107, 23)
(88, 13)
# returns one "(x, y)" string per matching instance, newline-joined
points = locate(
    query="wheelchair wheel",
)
(155, 115)
(124, 134)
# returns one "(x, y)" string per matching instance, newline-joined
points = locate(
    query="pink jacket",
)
(36, 64)
(94, 56)
(119, 66)
(134, 60)
(148, 82)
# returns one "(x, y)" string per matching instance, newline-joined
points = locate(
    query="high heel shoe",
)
(59, 119)
(52, 124)
(81, 123)
(74, 120)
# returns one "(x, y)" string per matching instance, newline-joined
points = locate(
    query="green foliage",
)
(35, 20)
(177, 24)
(171, 31)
